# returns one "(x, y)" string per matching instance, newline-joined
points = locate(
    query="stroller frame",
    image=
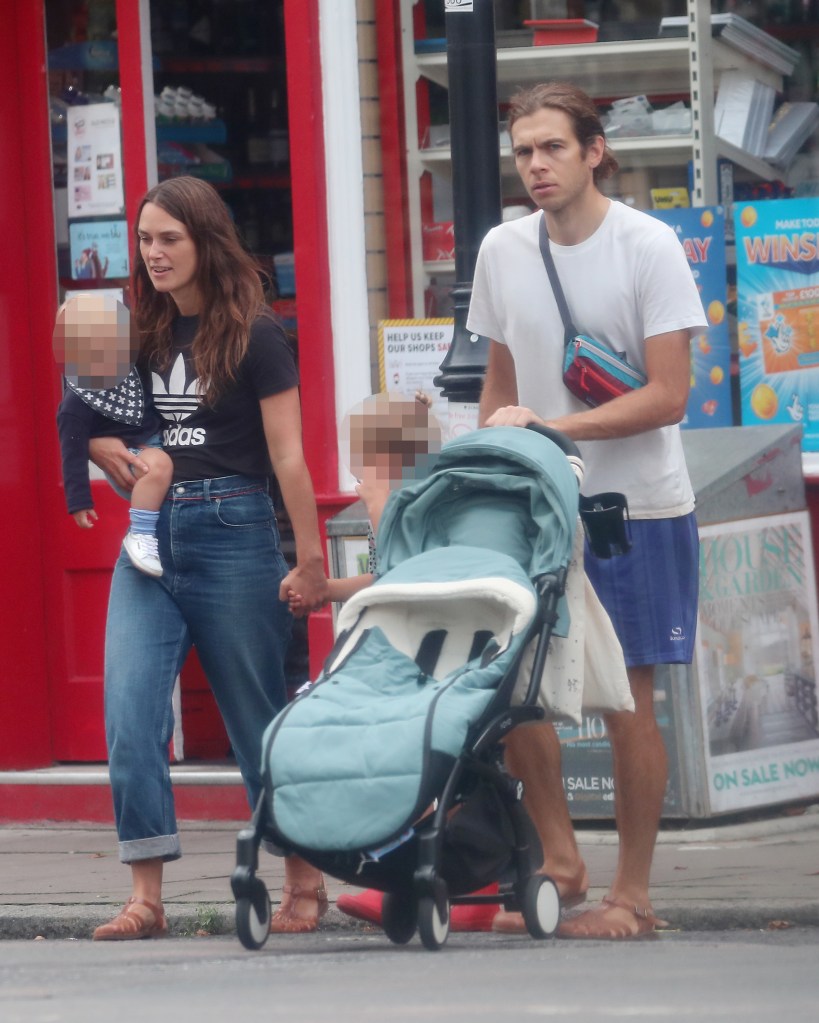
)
(424, 904)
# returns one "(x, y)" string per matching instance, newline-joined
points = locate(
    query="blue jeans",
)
(219, 592)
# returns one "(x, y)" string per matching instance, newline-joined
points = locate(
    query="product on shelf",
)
(182, 104)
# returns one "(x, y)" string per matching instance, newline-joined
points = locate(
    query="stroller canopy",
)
(504, 488)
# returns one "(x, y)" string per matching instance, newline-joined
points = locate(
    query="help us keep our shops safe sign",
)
(778, 313)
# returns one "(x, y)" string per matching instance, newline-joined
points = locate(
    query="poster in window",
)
(701, 231)
(99, 249)
(410, 353)
(777, 243)
(95, 182)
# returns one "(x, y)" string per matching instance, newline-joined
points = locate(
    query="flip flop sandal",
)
(590, 925)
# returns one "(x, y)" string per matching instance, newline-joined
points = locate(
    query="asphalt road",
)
(733, 976)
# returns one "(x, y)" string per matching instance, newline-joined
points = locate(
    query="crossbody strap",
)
(551, 270)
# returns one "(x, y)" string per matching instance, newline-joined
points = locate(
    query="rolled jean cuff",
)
(159, 847)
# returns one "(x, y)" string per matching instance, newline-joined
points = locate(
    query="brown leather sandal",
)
(130, 925)
(596, 923)
(285, 920)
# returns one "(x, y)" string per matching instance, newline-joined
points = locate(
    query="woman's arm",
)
(281, 417)
(112, 456)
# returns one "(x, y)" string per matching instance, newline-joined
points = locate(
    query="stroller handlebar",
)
(566, 445)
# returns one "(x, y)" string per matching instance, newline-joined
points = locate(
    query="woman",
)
(225, 383)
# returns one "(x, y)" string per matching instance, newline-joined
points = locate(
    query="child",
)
(391, 441)
(104, 397)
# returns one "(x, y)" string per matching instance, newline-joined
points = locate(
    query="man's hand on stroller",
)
(514, 415)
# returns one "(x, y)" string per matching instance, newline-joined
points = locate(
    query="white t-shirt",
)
(629, 281)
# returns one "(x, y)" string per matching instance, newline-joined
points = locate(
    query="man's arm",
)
(500, 388)
(661, 402)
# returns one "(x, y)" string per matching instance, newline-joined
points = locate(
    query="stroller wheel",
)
(253, 916)
(540, 906)
(398, 917)
(433, 928)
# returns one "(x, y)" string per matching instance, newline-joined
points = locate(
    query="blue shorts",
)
(651, 593)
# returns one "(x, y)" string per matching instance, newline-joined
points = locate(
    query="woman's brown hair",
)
(228, 279)
(578, 107)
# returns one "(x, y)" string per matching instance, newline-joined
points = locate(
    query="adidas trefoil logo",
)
(178, 401)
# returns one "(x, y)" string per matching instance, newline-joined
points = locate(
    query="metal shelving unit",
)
(658, 67)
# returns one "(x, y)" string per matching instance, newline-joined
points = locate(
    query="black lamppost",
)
(476, 183)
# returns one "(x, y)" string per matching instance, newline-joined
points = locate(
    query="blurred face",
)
(93, 341)
(169, 253)
(550, 160)
(391, 439)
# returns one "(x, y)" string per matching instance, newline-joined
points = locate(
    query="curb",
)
(27, 923)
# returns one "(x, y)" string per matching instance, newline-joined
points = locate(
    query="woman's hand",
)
(111, 455)
(308, 583)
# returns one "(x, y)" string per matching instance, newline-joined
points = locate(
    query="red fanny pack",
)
(592, 370)
(595, 373)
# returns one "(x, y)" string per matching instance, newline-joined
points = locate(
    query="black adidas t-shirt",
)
(227, 439)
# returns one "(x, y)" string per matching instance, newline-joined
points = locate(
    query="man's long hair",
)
(578, 107)
(228, 279)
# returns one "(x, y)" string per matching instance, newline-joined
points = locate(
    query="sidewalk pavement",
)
(60, 881)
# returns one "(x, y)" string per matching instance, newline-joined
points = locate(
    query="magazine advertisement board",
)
(701, 231)
(586, 756)
(777, 252)
(756, 654)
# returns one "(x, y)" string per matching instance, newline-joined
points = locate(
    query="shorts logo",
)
(677, 634)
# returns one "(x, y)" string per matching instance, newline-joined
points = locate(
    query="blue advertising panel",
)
(778, 313)
(701, 231)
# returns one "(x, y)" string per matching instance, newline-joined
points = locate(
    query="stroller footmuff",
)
(388, 771)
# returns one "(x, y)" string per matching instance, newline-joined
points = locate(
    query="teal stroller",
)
(388, 771)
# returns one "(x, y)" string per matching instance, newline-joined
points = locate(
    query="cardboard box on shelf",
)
(669, 198)
(633, 187)
(560, 31)
(438, 241)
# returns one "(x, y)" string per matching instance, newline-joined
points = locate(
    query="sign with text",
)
(95, 184)
(701, 232)
(99, 249)
(410, 353)
(778, 313)
(756, 655)
(588, 776)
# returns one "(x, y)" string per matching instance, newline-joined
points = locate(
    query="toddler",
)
(392, 439)
(105, 397)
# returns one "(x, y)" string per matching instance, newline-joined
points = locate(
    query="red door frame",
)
(33, 626)
(28, 469)
(312, 259)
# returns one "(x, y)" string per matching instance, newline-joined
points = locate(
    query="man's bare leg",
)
(533, 755)
(640, 776)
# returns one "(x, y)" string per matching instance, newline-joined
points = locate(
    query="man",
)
(626, 282)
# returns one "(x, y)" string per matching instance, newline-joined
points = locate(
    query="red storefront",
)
(56, 577)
